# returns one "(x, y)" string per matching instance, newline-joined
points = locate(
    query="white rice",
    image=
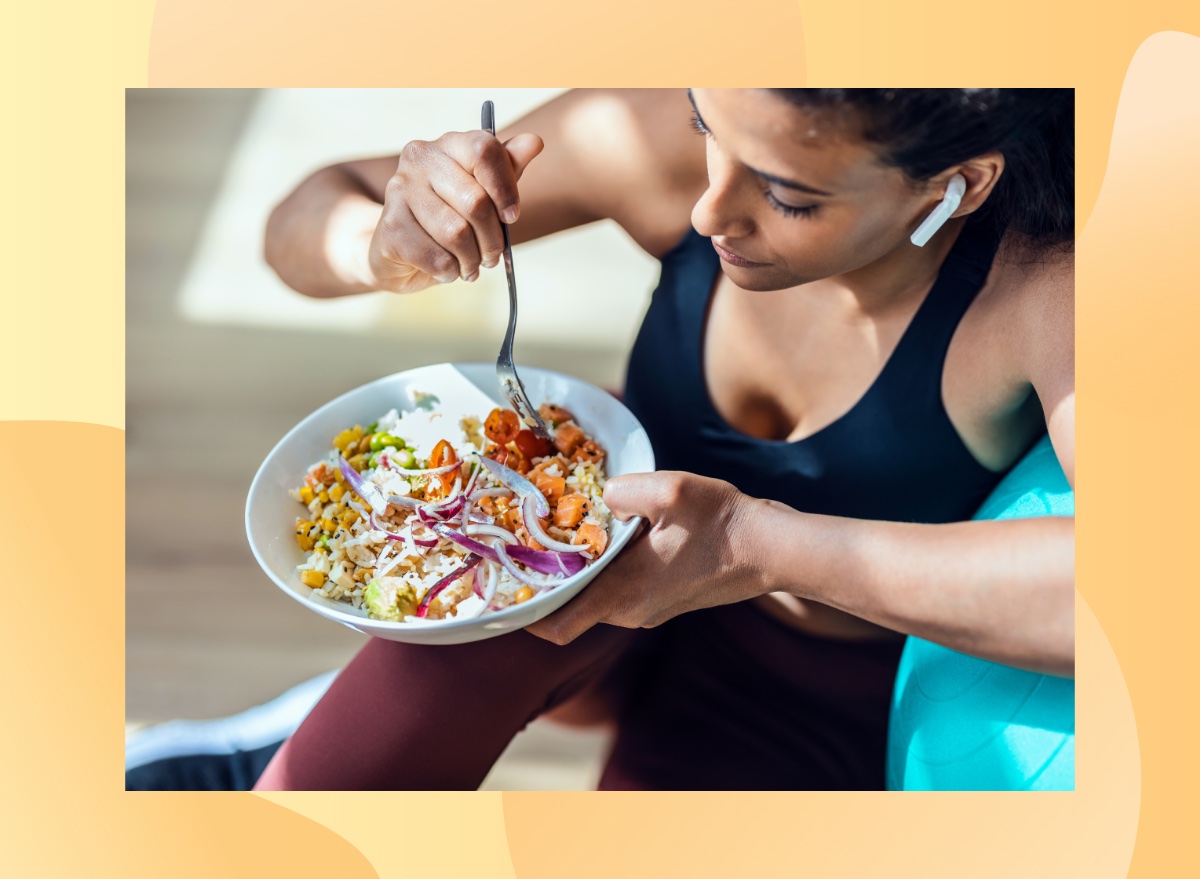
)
(355, 551)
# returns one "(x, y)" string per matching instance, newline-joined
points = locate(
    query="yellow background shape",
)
(67, 63)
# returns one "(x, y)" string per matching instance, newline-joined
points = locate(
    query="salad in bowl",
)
(442, 518)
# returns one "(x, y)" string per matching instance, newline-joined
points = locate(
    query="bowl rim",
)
(355, 620)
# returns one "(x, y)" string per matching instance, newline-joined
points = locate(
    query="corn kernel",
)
(315, 579)
(302, 537)
(306, 494)
(336, 493)
(323, 496)
(523, 594)
(348, 437)
(328, 525)
(349, 517)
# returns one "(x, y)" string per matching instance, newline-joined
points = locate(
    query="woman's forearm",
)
(1001, 590)
(318, 238)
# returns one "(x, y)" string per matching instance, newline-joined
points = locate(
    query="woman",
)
(827, 400)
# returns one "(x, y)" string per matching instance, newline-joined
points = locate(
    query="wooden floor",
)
(207, 634)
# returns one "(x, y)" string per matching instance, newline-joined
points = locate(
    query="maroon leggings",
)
(721, 699)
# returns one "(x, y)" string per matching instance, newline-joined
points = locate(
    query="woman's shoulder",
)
(1030, 304)
(1032, 283)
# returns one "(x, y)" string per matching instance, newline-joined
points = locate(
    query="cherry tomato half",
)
(502, 426)
(443, 454)
(532, 446)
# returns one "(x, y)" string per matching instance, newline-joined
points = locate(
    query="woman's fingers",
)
(611, 598)
(450, 230)
(401, 250)
(497, 166)
(462, 193)
(442, 208)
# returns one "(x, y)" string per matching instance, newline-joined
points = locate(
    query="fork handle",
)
(488, 124)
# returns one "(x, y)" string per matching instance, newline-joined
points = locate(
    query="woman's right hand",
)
(442, 209)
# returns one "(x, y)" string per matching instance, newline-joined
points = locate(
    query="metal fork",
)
(506, 370)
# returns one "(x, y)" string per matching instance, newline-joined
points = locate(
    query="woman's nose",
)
(722, 210)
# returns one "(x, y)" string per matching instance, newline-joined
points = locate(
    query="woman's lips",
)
(734, 260)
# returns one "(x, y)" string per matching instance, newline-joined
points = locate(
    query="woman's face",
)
(793, 196)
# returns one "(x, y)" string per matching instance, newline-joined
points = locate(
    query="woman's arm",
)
(404, 222)
(998, 590)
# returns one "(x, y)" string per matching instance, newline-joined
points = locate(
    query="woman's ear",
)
(982, 174)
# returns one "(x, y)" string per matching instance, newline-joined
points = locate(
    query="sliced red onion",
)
(553, 563)
(565, 563)
(465, 515)
(443, 530)
(378, 525)
(476, 496)
(471, 480)
(493, 531)
(493, 582)
(436, 588)
(430, 514)
(468, 512)
(537, 532)
(452, 496)
(475, 584)
(368, 491)
(426, 542)
(518, 483)
(448, 509)
(524, 576)
(408, 503)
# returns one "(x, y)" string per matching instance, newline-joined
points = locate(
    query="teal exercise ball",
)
(962, 723)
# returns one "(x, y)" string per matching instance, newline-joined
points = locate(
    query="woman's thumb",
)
(632, 495)
(522, 149)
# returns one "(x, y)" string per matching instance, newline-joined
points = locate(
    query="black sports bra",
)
(894, 456)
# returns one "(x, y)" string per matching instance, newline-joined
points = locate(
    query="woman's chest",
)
(788, 365)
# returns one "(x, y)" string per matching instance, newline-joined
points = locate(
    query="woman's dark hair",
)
(924, 131)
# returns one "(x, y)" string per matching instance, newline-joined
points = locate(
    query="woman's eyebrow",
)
(790, 184)
(770, 178)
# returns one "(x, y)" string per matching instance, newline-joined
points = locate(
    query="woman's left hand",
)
(694, 552)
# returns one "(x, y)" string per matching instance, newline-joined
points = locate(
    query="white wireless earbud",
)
(940, 214)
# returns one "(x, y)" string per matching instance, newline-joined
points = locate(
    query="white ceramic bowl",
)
(271, 513)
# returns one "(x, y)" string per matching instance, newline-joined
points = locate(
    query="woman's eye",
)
(789, 210)
(698, 124)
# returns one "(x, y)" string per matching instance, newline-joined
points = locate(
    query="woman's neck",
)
(895, 279)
